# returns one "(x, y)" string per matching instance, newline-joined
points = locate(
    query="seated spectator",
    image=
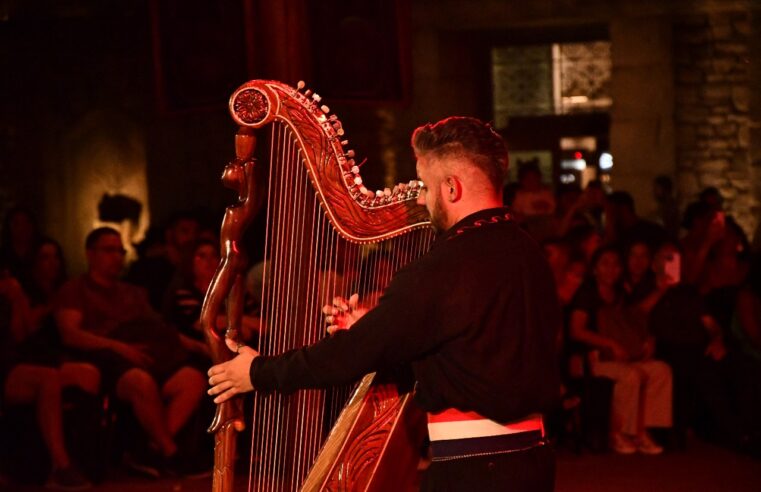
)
(157, 267)
(576, 208)
(710, 379)
(140, 357)
(35, 374)
(623, 225)
(568, 271)
(711, 196)
(639, 279)
(20, 235)
(183, 305)
(622, 351)
(705, 227)
(726, 264)
(667, 211)
(583, 242)
(46, 276)
(746, 325)
(744, 342)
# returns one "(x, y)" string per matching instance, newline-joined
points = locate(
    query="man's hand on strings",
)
(232, 377)
(342, 313)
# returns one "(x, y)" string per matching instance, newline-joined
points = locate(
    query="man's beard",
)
(439, 218)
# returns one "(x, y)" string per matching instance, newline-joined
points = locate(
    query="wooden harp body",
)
(326, 236)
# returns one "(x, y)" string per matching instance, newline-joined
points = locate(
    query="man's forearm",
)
(83, 340)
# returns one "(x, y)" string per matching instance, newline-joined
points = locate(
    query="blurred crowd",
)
(662, 328)
(662, 313)
(121, 343)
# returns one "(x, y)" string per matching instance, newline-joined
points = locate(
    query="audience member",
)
(46, 275)
(583, 241)
(140, 357)
(534, 203)
(182, 307)
(35, 374)
(639, 279)
(692, 342)
(746, 325)
(711, 196)
(568, 271)
(19, 236)
(705, 227)
(622, 351)
(726, 266)
(622, 225)
(576, 208)
(667, 208)
(157, 267)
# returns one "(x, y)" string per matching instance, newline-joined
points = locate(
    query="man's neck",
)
(470, 209)
(102, 280)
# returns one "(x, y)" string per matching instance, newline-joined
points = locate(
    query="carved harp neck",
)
(357, 214)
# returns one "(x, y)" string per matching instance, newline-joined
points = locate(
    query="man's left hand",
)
(232, 377)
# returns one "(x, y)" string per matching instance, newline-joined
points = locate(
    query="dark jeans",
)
(532, 470)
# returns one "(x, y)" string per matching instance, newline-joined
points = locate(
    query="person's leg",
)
(182, 392)
(39, 385)
(626, 395)
(139, 389)
(657, 394)
(80, 375)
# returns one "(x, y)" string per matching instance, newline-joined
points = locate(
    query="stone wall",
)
(712, 113)
(642, 116)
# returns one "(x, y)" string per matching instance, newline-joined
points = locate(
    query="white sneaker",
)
(646, 445)
(621, 444)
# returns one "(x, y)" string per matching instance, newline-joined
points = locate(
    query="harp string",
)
(277, 409)
(269, 283)
(290, 291)
(307, 264)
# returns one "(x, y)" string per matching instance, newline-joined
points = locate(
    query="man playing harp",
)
(475, 317)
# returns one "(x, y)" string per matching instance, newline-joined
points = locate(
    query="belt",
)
(456, 434)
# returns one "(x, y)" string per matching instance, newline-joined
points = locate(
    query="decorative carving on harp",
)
(327, 235)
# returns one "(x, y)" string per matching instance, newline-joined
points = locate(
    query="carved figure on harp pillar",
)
(228, 283)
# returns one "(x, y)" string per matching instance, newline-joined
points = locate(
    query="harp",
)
(327, 235)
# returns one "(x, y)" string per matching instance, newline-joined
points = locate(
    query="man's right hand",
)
(133, 354)
(342, 314)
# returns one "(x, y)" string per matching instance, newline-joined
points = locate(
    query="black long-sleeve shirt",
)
(476, 317)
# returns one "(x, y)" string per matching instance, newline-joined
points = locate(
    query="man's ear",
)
(453, 188)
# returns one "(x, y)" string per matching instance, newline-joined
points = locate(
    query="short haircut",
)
(95, 235)
(466, 137)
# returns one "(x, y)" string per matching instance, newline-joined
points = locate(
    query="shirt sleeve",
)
(399, 329)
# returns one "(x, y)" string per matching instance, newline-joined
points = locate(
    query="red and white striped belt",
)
(457, 434)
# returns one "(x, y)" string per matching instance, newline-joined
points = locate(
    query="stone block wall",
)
(712, 110)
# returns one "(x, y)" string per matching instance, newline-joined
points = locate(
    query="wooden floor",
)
(702, 468)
